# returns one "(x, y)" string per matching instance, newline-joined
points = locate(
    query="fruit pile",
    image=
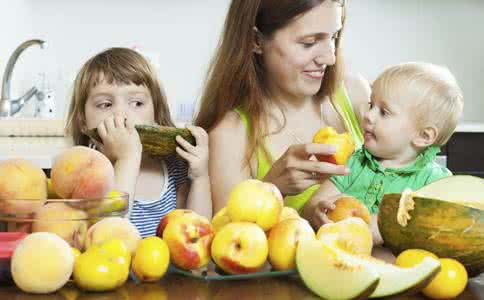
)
(252, 229)
(43, 262)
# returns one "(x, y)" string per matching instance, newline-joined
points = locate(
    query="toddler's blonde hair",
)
(118, 66)
(437, 98)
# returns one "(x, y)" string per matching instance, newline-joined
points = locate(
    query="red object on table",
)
(8, 243)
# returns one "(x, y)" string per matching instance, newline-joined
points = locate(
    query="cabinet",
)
(465, 153)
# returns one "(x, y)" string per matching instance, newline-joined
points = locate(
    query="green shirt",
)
(369, 181)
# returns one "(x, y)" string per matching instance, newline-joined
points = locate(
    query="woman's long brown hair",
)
(236, 75)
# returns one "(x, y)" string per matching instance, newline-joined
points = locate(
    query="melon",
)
(333, 273)
(330, 277)
(445, 217)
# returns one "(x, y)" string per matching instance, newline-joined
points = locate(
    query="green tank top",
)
(343, 106)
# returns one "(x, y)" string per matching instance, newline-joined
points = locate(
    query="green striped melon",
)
(445, 217)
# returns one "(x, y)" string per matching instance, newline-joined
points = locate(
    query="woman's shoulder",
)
(232, 126)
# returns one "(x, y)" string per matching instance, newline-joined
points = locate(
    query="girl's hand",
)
(294, 172)
(196, 156)
(120, 139)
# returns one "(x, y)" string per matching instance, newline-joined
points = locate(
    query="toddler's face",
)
(389, 126)
(129, 100)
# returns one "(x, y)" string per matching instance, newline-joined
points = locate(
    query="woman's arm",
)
(227, 145)
(196, 196)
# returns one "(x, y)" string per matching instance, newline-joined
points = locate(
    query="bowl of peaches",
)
(79, 194)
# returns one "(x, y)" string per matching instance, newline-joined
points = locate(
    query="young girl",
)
(115, 90)
(414, 110)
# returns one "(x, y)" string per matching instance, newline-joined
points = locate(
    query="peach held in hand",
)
(344, 142)
(255, 201)
(347, 207)
(82, 173)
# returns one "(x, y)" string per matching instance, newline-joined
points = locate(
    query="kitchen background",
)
(179, 37)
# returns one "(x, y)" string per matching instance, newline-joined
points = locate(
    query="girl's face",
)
(297, 55)
(390, 127)
(129, 100)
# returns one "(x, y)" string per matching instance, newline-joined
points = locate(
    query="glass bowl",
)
(68, 218)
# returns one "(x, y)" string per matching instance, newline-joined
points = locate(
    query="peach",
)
(255, 201)
(82, 173)
(354, 235)
(344, 141)
(288, 213)
(170, 216)
(347, 207)
(284, 239)
(240, 248)
(113, 227)
(189, 238)
(20, 179)
(67, 222)
(220, 219)
(42, 263)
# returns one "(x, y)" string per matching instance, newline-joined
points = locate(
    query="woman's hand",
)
(120, 140)
(196, 156)
(294, 172)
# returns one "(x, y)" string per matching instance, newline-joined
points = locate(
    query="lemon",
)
(76, 253)
(449, 282)
(94, 271)
(104, 267)
(151, 259)
(412, 257)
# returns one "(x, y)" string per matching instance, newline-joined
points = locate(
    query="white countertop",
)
(470, 127)
(38, 150)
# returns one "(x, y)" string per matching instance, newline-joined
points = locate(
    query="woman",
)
(274, 81)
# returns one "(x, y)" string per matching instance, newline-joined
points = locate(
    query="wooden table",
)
(176, 287)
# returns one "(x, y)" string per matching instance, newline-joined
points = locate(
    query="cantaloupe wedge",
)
(327, 274)
(333, 273)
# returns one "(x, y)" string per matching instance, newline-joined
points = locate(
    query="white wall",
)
(448, 32)
(183, 35)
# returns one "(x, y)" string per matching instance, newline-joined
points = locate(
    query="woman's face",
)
(297, 55)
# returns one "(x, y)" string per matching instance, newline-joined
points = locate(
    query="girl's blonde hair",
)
(236, 76)
(436, 97)
(118, 66)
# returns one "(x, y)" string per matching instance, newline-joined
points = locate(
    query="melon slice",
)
(324, 272)
(394, 280)
(463, 189)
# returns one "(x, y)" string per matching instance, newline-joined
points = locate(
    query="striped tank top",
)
(146, 215)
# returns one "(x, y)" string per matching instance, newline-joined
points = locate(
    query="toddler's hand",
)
(319, 216)
(120, 139)
(196, 156)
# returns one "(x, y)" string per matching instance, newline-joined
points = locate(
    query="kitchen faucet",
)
(8, 106)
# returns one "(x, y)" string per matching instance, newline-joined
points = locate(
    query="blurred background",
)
(180, 36)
